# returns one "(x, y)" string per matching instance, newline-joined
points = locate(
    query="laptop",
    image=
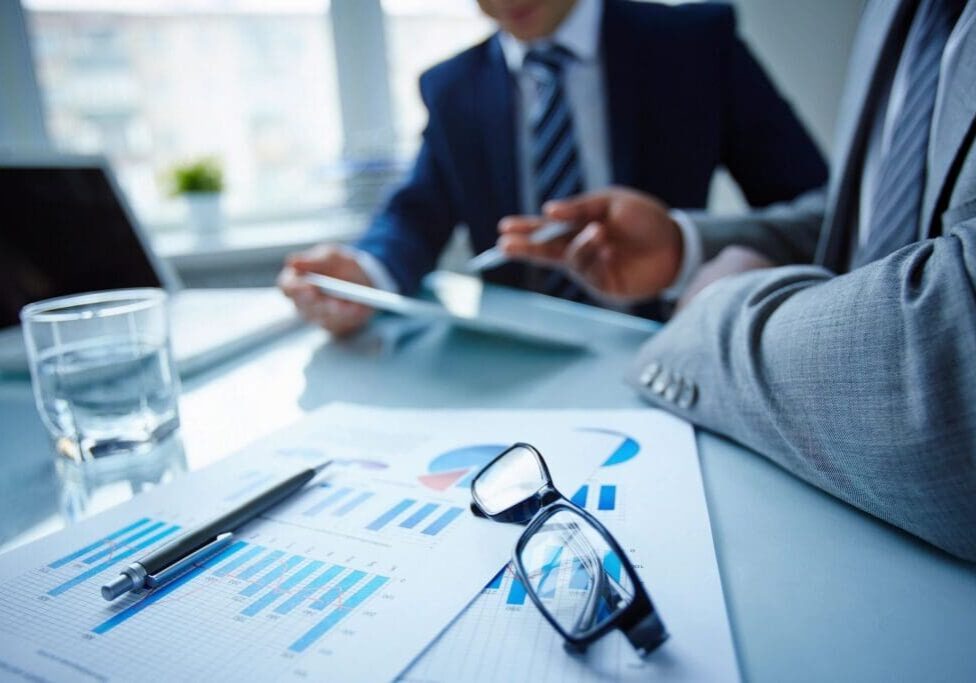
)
(65, 228)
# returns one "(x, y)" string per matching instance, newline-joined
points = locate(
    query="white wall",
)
(804, 46)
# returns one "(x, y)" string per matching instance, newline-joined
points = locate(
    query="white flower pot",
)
(203, 211)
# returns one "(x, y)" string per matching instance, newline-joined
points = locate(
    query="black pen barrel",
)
(201, 536)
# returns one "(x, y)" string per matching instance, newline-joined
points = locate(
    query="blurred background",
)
(310, 107)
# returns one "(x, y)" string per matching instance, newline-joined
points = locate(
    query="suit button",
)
(688, 396)
(661, 383)
(673, 389)
(649, 373)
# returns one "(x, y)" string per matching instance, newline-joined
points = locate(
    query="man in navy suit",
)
(568, 96)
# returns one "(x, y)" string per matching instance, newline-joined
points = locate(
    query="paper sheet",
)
(649, 495)
(349, 580)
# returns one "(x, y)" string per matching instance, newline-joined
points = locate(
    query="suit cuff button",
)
(673, 389)
(688, 396)
(661, 382)
(649, 373)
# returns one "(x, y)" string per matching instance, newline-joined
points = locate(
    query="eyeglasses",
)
(570, 565)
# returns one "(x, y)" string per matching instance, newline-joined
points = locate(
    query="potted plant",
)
(200, 183)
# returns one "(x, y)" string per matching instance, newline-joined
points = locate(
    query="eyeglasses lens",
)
(514, 477)
(576, 573)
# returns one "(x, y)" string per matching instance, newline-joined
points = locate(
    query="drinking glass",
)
(102, 371)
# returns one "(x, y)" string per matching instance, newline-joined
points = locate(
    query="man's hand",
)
(337, 316)
(730, 261)
(625, 247)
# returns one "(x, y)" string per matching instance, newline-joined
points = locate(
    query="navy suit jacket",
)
(684, 96)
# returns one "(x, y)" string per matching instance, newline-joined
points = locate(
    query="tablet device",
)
(429, 310)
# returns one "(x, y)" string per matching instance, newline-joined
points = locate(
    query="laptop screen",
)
(63, 231)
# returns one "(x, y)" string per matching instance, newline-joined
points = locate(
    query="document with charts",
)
(348, 580)
(649, 495)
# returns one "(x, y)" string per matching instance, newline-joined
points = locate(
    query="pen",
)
(495, 256)
(180, 555)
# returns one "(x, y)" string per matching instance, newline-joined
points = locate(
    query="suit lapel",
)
(954, 115)
(495, 112)
(876, 31)
(622, 109)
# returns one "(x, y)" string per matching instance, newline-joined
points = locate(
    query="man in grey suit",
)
(856, 372)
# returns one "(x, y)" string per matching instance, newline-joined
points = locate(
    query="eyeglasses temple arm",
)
(646, 633)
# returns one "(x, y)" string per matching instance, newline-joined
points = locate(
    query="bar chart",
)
(375, 511)
(271, 580)
(440, 517)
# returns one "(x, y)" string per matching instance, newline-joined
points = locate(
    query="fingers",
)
(324, 259)
(519, 246)
(335, 315)
(520, 225)
(290, 282)
(584, 208)
(588, 254)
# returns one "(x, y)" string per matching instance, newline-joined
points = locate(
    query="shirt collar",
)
(579, 33)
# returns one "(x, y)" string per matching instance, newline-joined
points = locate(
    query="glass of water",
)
(103, 373)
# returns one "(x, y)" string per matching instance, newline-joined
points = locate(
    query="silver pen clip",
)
(187, 563)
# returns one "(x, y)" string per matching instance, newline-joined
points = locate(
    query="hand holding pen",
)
(624, 245)
(545, 232)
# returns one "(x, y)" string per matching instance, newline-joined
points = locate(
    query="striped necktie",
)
(897, 202)
(554, 155)
(555, 160)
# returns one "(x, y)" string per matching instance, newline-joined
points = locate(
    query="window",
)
(421, 33)
(150, 84)
(250, 82)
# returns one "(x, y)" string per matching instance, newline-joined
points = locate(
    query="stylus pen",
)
(187, 551)
(495, 257)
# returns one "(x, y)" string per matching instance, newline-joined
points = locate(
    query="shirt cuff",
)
(691, 259)
(378, 273)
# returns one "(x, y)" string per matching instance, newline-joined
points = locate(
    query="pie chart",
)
(625, 450)
(458, 467)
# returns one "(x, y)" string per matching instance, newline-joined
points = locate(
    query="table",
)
(815, 589)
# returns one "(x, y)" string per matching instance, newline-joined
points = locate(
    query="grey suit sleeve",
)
(786, 232)
(862, 384)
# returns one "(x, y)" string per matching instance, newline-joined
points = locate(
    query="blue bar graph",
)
(272, 576)
(160, 593)
(354, 503)
(442, 521)
(305, 593)
(496, 582)
(608, 497)
(88, 548)
(418, 516)
(323, 627)
(390, 514)
(579, 498)
(337, 591)
(516, 593)
(239, 561)
(122, 542)
(275, 593)
(580, 578)
(327, 501)
(611, 563)
(99, 568)
(261, 564)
